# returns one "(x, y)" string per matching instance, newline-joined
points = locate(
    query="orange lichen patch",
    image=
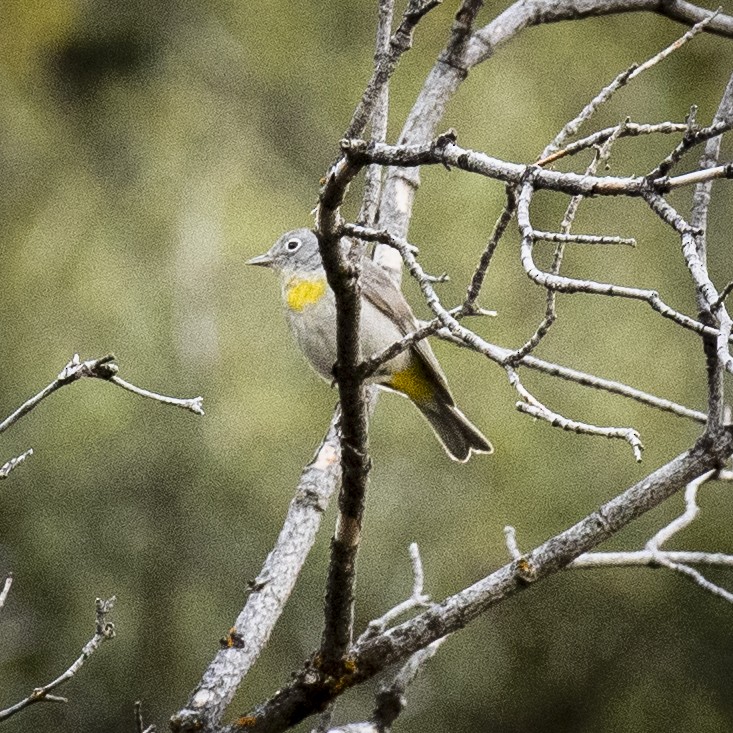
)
(413, 383)
(301, 293)
(246, 721)
(232, 640)
(345, 680)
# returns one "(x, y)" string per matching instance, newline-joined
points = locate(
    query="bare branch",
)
(342, 273)
(269, 591)
(479, 275)
(531, 406)
(8, 466)
(104, 630)
(309, 690)
(417, 600)
(510, 537)
(464, 337)
(572, 285)
(373, 178)
(103, 368)
(193, 404)
(627, 129)
(400, 42)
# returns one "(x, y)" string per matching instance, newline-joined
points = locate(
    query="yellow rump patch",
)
(301, 293)
(413, 383)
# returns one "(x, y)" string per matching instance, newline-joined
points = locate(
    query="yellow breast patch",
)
(412, 382)
(301, 293)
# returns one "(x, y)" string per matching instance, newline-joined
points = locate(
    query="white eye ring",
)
(293, 244)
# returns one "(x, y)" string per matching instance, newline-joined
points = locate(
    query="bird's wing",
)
(384, 294)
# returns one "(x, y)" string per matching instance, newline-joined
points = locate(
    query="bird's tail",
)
(458, 435)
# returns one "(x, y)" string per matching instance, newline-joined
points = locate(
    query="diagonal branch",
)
(269, 591)
(310, 690)
(104, 630)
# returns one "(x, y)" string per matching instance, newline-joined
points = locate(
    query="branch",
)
(5, 590)
(379, 117)
(709, 301)
(8, 466)
(269, 591)
(653, 556)
(342, 273)
(416, 600)
(311, 690)
(447, 320)
(104, 630)
(103, 368)
(400, 42)
(465, 51)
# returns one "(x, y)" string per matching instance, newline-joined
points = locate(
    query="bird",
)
(386, 317)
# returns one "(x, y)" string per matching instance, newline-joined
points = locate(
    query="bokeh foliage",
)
(147, 150)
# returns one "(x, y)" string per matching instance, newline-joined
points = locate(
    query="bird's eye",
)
(293, 244)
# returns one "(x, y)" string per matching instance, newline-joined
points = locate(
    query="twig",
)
(629, 129)
(567, 238)
(479, 275)
(679, 561)
(416, 600)
(716, 351)
(104, 630)
(139, 724)
(498, 354)
(697, 28)
(532, 406)
(573, 285)
(194, 404)
(510, 537)
(373, 177)
(102, 368)
(400, 42)
(8, 466)
(6, 590)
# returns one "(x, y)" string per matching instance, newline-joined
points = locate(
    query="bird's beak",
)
(264, 260)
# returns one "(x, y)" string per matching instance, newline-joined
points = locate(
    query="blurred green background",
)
(147, 149)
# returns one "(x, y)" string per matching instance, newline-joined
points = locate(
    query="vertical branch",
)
(698, 219)
(373, 180)
(401, 184)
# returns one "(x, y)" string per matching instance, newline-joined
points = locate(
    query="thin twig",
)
(194, 404)
(629, 129)
(373, 177)
(535, 408)
(6, 590)
(102, 368)
(8, 466)
(500, 355)
(479, 275)
(104, 630)
(416, 600)
(573, 285)
(510, 537)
